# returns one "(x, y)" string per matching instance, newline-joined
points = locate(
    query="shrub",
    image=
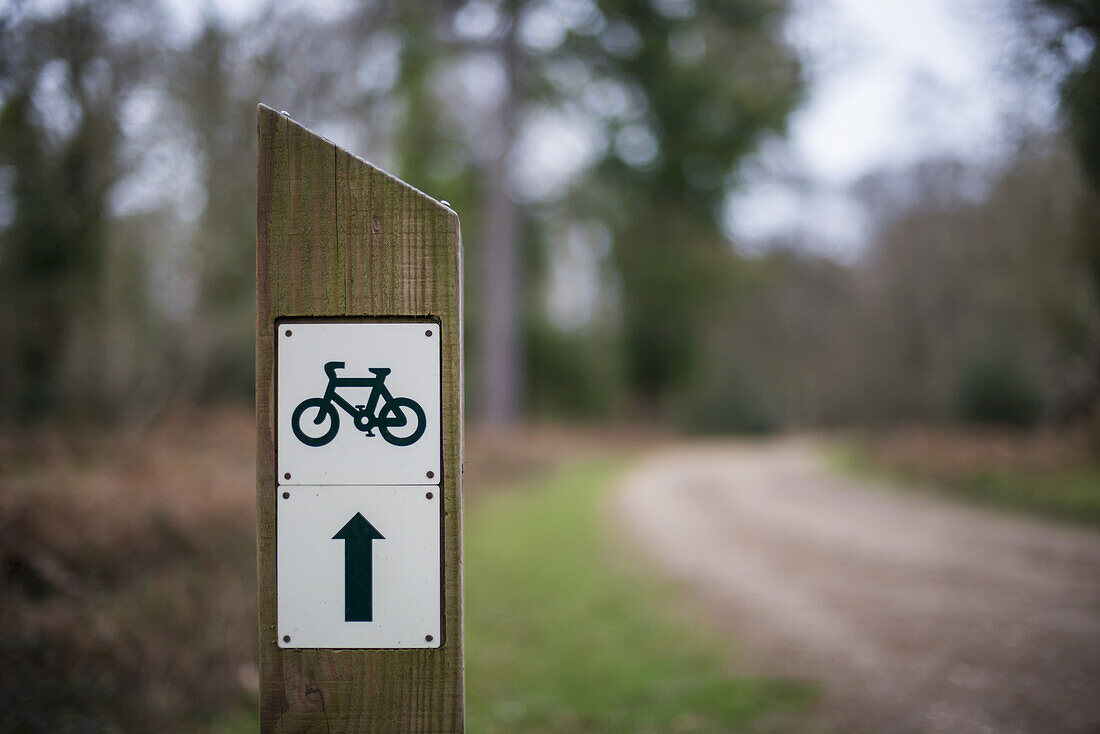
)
(729, 407)
(996, 390)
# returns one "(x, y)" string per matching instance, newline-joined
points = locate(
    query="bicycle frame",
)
(377, 384)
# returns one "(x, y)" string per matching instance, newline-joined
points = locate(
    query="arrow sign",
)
(357, 534)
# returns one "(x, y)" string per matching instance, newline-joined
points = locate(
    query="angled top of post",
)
(263, 110)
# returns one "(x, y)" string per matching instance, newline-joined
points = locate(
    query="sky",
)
(916, 77)
(892, 82)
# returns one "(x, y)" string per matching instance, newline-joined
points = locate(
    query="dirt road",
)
(914, 614)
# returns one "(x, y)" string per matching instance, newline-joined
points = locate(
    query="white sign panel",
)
(358, 403)
(359, 567)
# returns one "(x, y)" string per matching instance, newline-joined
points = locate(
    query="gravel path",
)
(914, 613)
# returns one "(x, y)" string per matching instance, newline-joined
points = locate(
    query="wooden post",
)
(337, 237)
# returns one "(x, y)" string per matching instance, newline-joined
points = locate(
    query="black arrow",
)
(357, 534)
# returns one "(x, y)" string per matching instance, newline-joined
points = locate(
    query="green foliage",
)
(103, 305)
(1075, 22)
(1077, 28)
(563, 634)
(733, 410)
(1082, 101)
(229, 374)
(63, 78)
(705, 114)
(996, 390)
(53, 247)
(1070, 492)
(571, 375)
(241, 723)
(672, 96)
(675, 272)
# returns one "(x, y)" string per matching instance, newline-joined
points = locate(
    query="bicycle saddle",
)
(379, 371)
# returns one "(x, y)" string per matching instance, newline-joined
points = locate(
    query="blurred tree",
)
(525, 114)
(212, 86)
(669, 95)
(64, 75)
(713, 81)
(995, 389)
(1074, 39)
(964, 271)
(216, 104)
(697, 84)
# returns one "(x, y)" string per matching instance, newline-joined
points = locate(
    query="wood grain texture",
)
(337, 237)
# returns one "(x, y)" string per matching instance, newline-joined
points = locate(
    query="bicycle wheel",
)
(323, 410)
(396, 414)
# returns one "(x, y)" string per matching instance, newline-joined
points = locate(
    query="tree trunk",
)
(501, 271)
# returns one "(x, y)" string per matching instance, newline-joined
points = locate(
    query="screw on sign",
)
(319, 414)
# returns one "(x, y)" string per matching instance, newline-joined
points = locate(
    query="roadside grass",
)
(565, 633)
(129, 602)
(1070, 492)
(244, 722)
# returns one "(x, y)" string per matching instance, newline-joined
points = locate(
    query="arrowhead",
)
(358, 528)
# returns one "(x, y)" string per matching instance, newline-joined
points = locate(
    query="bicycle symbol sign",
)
(315, 421)
(358, 403)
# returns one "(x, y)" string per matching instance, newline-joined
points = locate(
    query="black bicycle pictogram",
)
(382, 411)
